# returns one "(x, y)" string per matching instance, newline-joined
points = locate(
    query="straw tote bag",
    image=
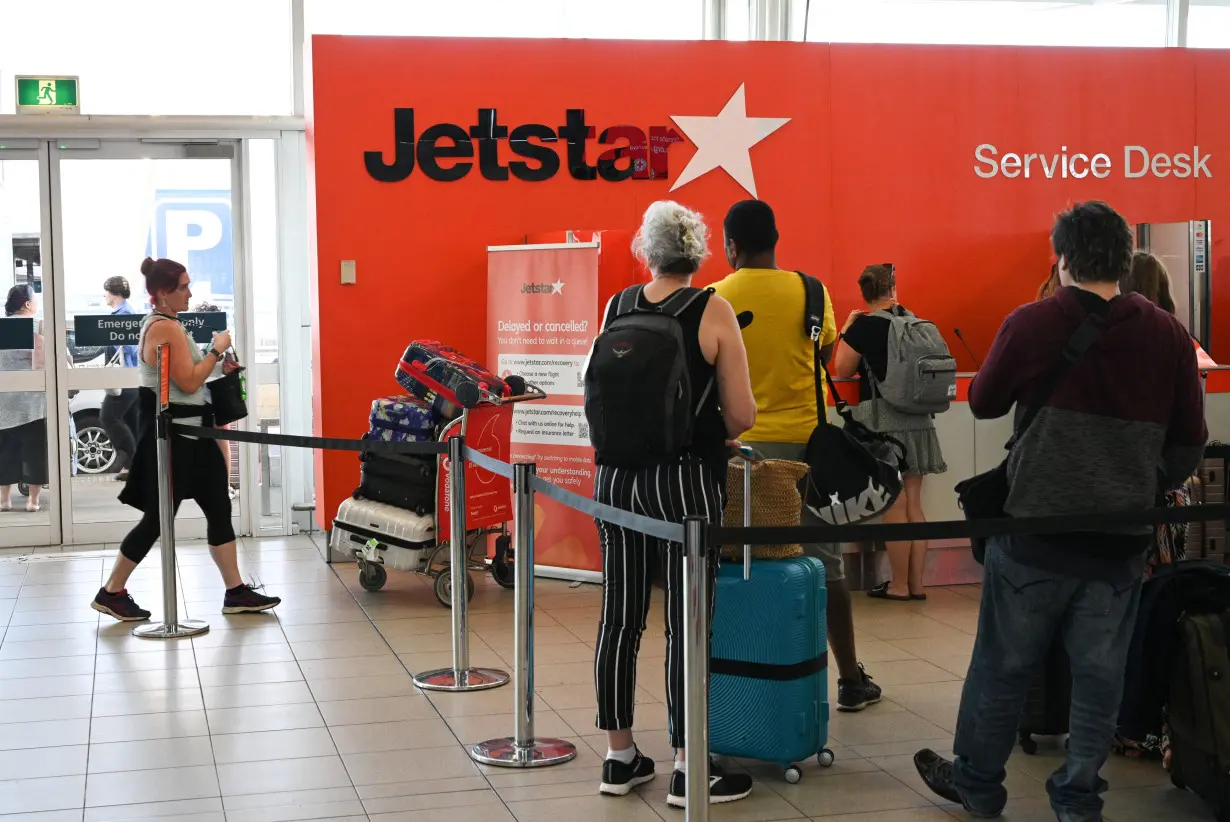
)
(776, 502)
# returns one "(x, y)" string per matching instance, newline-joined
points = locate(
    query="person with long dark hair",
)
(198, 470)
(119, 407)
(23, 414)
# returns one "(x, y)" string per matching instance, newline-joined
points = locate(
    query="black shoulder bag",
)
(854, 473)
(984, 495)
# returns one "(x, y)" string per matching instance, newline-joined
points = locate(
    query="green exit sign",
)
(47, 94)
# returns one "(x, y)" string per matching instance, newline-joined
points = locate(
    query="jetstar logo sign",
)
(445, 152)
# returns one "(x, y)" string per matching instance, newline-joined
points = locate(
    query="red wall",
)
(876, 165)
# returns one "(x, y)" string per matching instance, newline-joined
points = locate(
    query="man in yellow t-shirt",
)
(781, 361)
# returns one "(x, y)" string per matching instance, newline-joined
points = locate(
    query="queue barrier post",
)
(523, 749)
(696, 667)
(460, 677)
(171, 627)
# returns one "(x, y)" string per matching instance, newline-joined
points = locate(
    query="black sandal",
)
(881, 592)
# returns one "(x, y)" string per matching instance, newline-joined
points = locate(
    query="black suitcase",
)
(402, 480)
(1049, 702)
(1199, 715)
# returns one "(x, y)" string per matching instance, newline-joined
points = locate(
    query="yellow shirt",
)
(780, 357)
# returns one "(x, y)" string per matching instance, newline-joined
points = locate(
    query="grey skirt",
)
(915, 431)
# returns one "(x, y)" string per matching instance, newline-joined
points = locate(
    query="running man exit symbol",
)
(47, 94)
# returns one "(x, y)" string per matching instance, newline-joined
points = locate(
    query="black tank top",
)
(708, 430)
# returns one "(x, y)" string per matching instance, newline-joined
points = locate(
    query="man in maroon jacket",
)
(1125, 422)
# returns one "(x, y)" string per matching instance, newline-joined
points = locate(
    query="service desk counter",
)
(971, 446)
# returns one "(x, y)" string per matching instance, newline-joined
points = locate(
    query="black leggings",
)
(218, 528)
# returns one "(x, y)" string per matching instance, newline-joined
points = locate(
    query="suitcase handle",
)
(749, 457)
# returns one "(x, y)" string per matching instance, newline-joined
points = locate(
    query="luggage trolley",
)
(420, 544)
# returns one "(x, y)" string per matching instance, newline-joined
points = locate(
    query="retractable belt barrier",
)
(524, 749)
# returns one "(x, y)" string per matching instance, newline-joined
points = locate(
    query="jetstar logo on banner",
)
(722, 141)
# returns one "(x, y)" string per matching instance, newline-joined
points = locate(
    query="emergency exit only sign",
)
(36, 95)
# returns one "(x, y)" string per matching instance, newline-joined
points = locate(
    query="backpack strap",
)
(682, 300)
(813, 328)
(1086, 335)
(627, 301)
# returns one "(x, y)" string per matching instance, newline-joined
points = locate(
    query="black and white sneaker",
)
(856, 694)
(723, 787)
(619, 779)
(244, 599)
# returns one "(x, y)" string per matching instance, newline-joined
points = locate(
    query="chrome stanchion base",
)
(161, 630)
(506, 753)
(471, 679)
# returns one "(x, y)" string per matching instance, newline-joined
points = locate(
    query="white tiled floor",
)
(309, 712)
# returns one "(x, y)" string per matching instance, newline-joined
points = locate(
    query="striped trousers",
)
(630, 563)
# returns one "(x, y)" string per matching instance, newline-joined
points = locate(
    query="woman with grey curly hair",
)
(646, 471)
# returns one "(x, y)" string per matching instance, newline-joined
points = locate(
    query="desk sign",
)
(48, 95)
(125, 329)
(16, 333)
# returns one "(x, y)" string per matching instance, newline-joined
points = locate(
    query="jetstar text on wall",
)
(444, 150)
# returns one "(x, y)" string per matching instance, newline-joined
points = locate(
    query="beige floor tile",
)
(910, 672)
(472, 729)
(469, 804)
(249, 696)
(49, 794)
(393, 736)
(74, 815)
(322, 812)
(426, 763)
(264, 718)
(183, 752)
(385, 664)
(491, 813)
(927, 692)
(905, 815)
(476, 703)
(326, 690)
(183, 810)
(141, 681)
(50, 733)
(36, 668)
(243, 655)
(262, 746)
(265, 635)
(419, 787)
(13, 651)
(280, 799)
(37, 763)
(17, 689)
(282, 775)
(438, 660)
(631, 808)
(171, 658)
(851, 793)
(419, 626)
(379, 709)
(136, 728)
(255, 674)
(44, 708)
(868, 728)
(339, 648)
(147, 702)
(422, 643)
(321, 616)
(892, 628)
(330, 631)
(155, 785)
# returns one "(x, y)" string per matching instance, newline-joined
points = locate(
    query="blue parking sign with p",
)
(194, 228)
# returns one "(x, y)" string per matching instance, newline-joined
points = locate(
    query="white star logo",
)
(557, 287)
(725, 142)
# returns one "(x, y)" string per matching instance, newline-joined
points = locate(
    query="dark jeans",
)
(1023, 608)
(119, 419)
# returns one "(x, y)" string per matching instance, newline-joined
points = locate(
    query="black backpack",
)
(854, 473)
(640, 403)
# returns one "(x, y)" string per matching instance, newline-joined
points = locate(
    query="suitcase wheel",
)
(825, 758)
(793, 774)
(443, 587)
(502, 563)
(1028, 745)
(372, 576)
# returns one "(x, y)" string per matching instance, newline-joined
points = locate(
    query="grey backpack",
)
(921, 377)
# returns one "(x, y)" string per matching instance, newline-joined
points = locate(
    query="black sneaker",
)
(855, 694)
(619, 779)
(244, 599)
(936, 773)
(723, 787)
(121, 606)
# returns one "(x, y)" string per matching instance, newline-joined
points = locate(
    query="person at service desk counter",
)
(199, 471)
(864, 350)
(118, 415)
(1131, 404)
(783, 375)
(23, 415)
(647, 470)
